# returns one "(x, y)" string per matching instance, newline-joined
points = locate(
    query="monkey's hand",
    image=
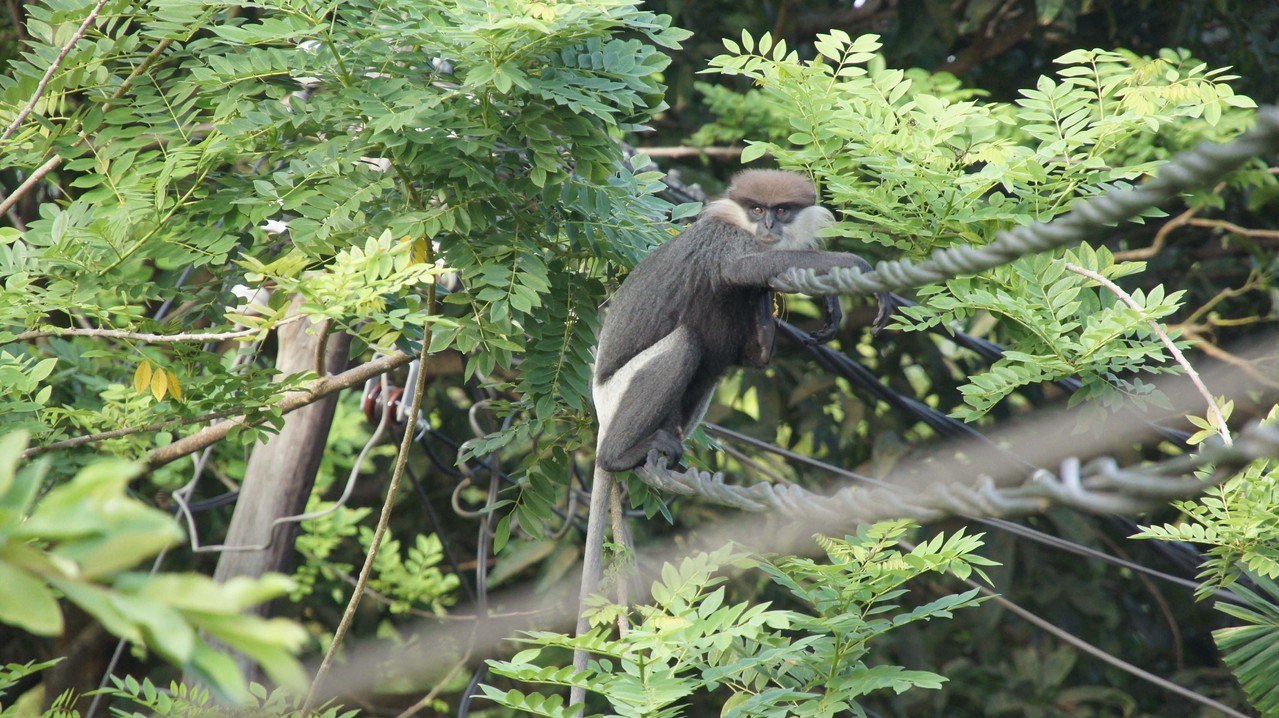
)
(834, 315)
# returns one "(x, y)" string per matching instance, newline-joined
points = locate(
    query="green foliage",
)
(1236, 520)
(1252, 650)
(740, 116)
(763, 661)
(11, 674)
(918, 166)
(1074, 330)
(77, 542)
(183, 701)
(350, 155)
(414, 577)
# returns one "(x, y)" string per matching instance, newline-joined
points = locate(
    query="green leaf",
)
(26, 602)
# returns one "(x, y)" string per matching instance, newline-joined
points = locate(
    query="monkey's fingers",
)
(886, 308)
(821, 336)
(834, 315)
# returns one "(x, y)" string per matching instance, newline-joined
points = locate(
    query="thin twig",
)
(117, 433)
(153, 338)
(1161, 237)
(1213, 410)
(439, 687)
(1216, 352)
(53, 162)
(384, 519)
(8, 202)
(53, 68)
(1235, 229)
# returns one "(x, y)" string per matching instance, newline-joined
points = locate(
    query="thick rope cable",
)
(1097, 486)
(1202, 166)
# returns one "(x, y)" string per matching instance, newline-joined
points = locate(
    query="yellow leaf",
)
(142, 377)
(175, 387)
(418, 252)
(159, 384)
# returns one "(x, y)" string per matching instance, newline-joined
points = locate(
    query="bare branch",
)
(8, 202)
(1236, 229)
(117, 433)
(719, 153)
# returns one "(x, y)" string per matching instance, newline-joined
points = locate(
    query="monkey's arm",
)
(760, 268)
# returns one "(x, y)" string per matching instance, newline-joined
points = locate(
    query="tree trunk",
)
(281, 471)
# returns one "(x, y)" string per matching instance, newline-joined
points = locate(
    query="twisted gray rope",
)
(1199, 167)
(1098, 486)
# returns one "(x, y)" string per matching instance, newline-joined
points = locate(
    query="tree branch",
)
(153, 338)
(53, 162)
(719, 153)
(117, 433)
(292, 401)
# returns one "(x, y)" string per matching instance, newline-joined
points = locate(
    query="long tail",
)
(592, 560)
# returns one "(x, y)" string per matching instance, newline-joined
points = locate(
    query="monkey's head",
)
(778, 207)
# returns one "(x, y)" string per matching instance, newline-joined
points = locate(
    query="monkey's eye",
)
(757, 210)
(781, 212)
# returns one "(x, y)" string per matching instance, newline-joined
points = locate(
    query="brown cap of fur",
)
(771, 188)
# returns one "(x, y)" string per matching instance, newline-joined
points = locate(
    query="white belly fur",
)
(608, 394)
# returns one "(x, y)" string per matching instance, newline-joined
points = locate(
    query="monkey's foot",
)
(655, 473)
(668, 445)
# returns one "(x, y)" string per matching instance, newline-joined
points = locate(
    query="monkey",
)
(694, 307)
(698, 305)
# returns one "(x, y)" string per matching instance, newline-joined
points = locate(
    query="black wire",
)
(1179, 553)
(506, 478)
(481, 585)
(437, 527)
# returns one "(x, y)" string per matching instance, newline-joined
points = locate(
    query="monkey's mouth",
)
(771, 235)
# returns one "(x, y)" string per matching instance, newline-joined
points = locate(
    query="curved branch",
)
(314, 391)
(1213, 410)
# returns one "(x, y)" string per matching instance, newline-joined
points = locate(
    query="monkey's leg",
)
(640, 406)
(639, 409)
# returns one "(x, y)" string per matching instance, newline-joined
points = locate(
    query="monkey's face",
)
(771, 221)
